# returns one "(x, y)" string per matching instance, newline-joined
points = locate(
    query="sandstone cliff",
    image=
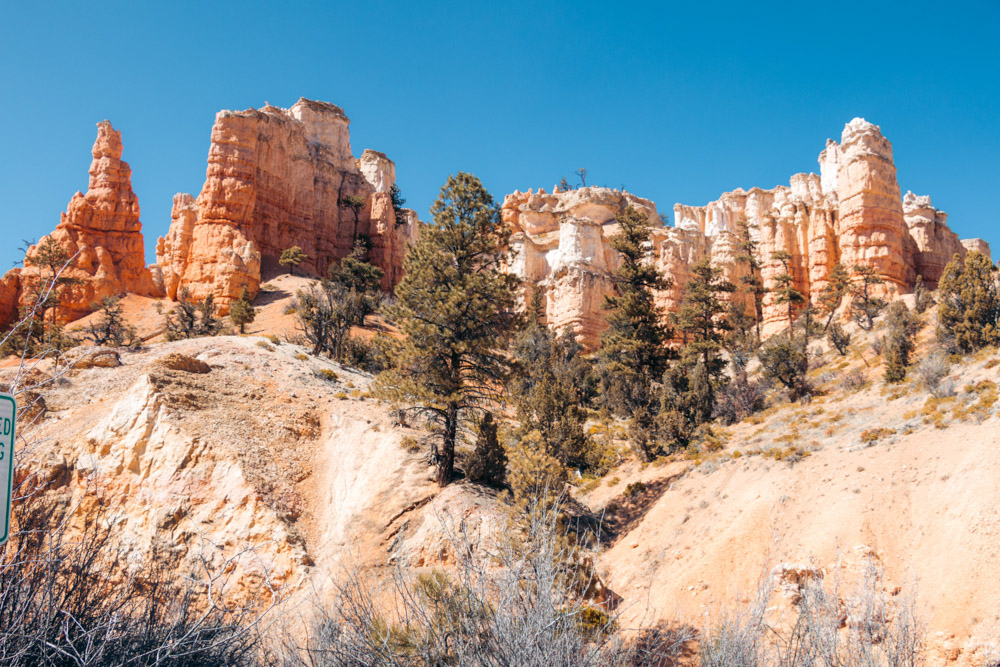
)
(851, 213)
(101, 231)
(277, 178)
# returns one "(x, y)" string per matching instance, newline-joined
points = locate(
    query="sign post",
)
(8, 419)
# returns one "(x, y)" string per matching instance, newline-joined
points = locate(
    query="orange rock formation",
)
(101, 231)
(277, 178)
(851, 213)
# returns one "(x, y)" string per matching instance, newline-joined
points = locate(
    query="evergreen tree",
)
(355, 203)
(292, 257)
(784, 288)
(488, 461)
(832, 294)
(397, 199)
(361, 281)
(111, 328)
(701, 316)
(44, 295)
(324, 317)
(633, 352)
(456, 308)
(548, 389)
(784, 361)
(838, 338)
(242, 312)
(752, 282)
(969, 297)
(190, 319)
(897, 346)
(865, 306)
(922, 299)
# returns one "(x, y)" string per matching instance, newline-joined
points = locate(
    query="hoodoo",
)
(277, 178)
(100, 231)
(851, 213)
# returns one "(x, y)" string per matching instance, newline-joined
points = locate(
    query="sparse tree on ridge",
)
(456, 307)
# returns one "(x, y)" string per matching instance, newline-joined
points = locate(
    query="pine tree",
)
(323, 316)
(969, 310)
(397, 199)
(111, 328)
(865, 306)
(457, 310)
(52, 261)
(901, 330)
(784, 361)
(922, 299)
(488, 461)
(355, 203)
(701, 316)
(784, 288)
(242, 312)
(549, 388)
(832, 294)
(633, 352)
(361, 281)
(190, 319)
(292, 257)
(752, 282)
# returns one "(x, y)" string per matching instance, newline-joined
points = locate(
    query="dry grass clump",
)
(872, 435)
(328, 374)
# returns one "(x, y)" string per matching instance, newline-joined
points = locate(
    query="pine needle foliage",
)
(360, 280)
(456, 308)
(242, 312)
(749, 255)
(865, 306)
(897, 346)
(969, 310)
(111, 327)
(833, 293)
(191, 319)
(292, 257)
(633, 353)
(784, 287)
(550, 386)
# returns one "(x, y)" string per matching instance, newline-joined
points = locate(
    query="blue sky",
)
(676, 103)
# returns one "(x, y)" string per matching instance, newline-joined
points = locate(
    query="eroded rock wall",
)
(278, 178)
(851, 213)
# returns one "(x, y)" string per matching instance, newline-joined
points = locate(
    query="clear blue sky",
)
(675, 103)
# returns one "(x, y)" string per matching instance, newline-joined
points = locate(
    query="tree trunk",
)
(446, 463)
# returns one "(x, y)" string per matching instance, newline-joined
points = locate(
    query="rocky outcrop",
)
(560, 245)
(277, 178)
(850, 213)
(870, 208)
(100, 231)
(930, 244)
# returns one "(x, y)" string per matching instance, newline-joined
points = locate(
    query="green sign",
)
(8, 418)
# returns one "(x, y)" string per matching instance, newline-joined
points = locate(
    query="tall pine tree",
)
(633, 348)
(456, 309)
